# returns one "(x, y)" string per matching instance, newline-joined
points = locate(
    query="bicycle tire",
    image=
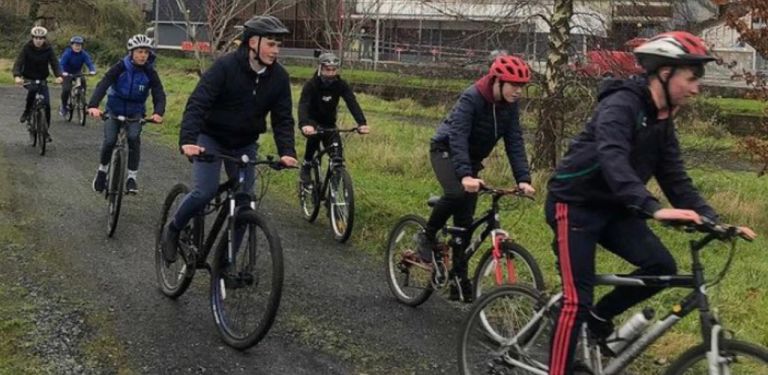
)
(42, 130)
(82, 109)
(342, 215)
(32, 128)
(258, 230)
(309, 198)
(516, 259)
(687, 362)
(183, 270)
(71, 106)
(400, 244)
(115, 185)
(484, 343)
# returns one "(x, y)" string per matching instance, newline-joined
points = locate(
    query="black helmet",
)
(263, 26)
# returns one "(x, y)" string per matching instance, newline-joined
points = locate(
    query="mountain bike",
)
(37, 123)
(508, 330)
(505, 262)
(247, 264)
(77, 99)
(116, 174)
(335, 189)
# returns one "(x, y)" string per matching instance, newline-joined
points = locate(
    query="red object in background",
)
(200, 46)
(603, 63)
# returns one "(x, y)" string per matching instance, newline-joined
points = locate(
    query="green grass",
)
(738, 106)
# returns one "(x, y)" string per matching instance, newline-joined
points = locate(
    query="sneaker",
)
(32, 137)
(63, 111)
(131, 186)
(100, 181)
(170, 243)
(304, 174)
(467, 294)
(24, 117)
(426, 247)
(48, 138)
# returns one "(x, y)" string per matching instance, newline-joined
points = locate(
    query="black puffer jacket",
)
(231, 102)
(33, 62)
(621, 148)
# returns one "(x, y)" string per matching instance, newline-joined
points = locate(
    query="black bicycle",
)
(505, 262)
(77, 99)
(335, 189)
(508, 330)
(117, 170)
(247, 265)
(37, 123)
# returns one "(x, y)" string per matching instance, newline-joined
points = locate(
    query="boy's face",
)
(269, 48)
(77, 47)
(683, 86)
(140, 55)
(329, 71)
(510, 92)
(38, 41)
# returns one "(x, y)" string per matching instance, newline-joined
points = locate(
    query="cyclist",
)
(598, 194)
(226, 113)
(32, 64)
(127, 85)
(319, 104)
(71, 62)
(486, 112)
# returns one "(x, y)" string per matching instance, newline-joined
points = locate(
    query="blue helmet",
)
(76, 39)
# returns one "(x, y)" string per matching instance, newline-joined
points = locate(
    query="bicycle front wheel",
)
(409, 280)
(71, 106)
(245, 295)
(342, 204)
(42, 129)
(506, 332)
(735, 357)
(115, 185)
(516, 265)
(309, 195)
(82, 108)
(174, 278)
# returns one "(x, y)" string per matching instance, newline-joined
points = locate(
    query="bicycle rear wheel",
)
(174, 278)
(115, 185)
(82, 108)
(408, 279)
(41, 130)
(737, 357)
(500, 335)
(517, 265)
(245, 296)
(309, 195)
(341, 202)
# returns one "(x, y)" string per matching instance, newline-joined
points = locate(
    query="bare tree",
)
(336, 24)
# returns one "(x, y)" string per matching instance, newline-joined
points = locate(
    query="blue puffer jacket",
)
(72, 62)
(129, 86)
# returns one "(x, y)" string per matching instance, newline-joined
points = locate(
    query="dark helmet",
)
(328, 59)
(76, 40)
(263, 26)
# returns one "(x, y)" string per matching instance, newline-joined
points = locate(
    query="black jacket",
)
(320, 101)
(621, 148)
(231, 101)
(473, 128)
(32, 62)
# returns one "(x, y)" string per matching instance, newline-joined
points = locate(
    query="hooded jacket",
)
(319, 102)
(621, 148)
(32, 62)
(127, 87)
(230, 104)
(475, 125)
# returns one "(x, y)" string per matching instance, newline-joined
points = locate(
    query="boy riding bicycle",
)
(72, 60)
(127, 85)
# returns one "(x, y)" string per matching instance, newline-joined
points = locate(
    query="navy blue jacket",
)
(621, 148)
(230, 104)
(128, 86)
(72, 62)
(473, 128)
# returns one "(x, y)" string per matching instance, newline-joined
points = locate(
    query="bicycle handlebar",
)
(29, 82)
(140, 120)
(500, 192)
(335, 130)
(244, 160)
(709, 226)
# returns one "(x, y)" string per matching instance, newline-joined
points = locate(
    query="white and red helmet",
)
(675, 48)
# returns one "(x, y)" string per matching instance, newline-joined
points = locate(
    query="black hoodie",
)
(621, 148)
(319, 102)
(33, 62)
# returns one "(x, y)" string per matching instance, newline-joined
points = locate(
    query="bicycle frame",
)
(333, 163)
(696, 300)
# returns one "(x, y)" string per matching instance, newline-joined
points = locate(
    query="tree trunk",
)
(546, 150)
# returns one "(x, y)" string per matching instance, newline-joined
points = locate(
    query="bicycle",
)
(505, 345)
(336, 189)
(117, 170)
(37, 123)
(77, 99)
(413, 282)
(234, 271)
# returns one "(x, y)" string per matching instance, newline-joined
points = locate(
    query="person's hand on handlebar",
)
(308, 130)
(192, 150)
(363, 129)
(59, 80)
(288, 161)
(157, 119)
(94, 112)
(747, 233)
(18, 80)
(526, 188)
(471, 184)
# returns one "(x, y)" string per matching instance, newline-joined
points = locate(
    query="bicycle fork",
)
(500, 236)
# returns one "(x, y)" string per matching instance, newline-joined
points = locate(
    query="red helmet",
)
(672, 49)
(510, 69)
